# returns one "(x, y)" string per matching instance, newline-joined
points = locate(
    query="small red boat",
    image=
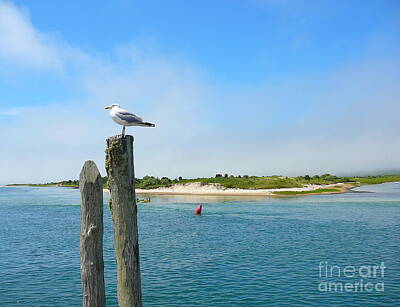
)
(198, 209)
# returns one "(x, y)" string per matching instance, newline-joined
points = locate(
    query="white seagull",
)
(126, 118)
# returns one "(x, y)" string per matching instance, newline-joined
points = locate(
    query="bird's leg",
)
(123, 131)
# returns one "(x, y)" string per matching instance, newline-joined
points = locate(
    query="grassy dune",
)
(317, 191)
(245, 182)
(271, 182)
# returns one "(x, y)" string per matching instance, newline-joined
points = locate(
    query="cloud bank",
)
(342, 121)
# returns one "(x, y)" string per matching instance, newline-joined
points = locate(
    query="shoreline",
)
(216, 190)
(197, 189)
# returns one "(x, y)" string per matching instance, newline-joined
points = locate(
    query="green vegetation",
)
(70, 183)
(151, 182)
(377, 179)
(307, 192)
(65, 183)
(32, 184)
(251, 182)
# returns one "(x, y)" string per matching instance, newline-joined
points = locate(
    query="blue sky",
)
(256, 87)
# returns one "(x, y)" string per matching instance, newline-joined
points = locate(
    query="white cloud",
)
(21, 44)
(350, 124)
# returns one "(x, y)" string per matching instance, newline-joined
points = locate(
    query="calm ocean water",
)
(246, 252)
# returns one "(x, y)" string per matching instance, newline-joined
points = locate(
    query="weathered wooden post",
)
(91, 239)
(120, 171)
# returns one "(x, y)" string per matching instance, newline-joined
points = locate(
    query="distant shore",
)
(241, 185)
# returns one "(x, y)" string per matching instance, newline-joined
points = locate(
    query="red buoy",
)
(198, 209)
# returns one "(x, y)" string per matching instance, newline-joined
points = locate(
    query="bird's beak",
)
(107, 108)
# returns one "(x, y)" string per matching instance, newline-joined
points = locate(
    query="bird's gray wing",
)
(128, 117)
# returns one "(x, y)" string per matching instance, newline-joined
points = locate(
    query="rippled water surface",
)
(240, 252)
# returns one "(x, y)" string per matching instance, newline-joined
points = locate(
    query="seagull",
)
(125, 118)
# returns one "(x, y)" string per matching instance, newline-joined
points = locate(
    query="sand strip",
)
(218, 190)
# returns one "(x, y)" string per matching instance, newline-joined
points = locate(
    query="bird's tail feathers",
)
(146, 124)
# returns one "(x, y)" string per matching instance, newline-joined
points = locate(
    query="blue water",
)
(240, 252)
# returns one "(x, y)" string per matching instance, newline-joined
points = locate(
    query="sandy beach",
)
(218, 190)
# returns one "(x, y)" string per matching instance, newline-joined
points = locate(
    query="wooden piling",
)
(120, 171)
(91, 238)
